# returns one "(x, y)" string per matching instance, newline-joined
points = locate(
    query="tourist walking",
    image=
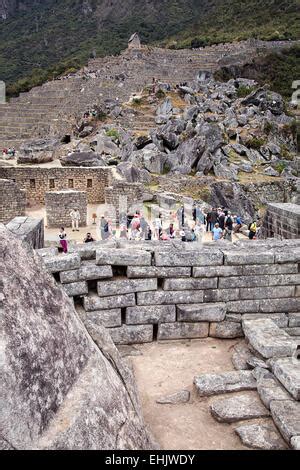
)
(158, 227)
(217, 233)
(228, 227)
(252, 229)
(75, 217)
(63, 240)
(239, 224)
(180, 216)
(143, 226)
(103, 228)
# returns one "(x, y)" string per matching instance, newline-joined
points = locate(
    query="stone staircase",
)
(52, 108)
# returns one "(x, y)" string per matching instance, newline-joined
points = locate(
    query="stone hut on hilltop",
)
(134, 42)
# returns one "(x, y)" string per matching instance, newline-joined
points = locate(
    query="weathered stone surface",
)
(121, 257)
(217, 271)
(267, 292)
(269, 388)
(189, 258)
(169, 297)
(269, 340)
(286, 415)
(238, 408)
(87, 251)
(233, 381)
(246, 257)
(87, 272)
(56, 264)
(221, 295)
(252, 270)
(94, 302)
(151, 314)
(287, 371)
(57, 374)
(256, 362)
(76, 288)
(243, 306)
(125, 286)
(129, 334)
(241, 353)
(295, 442)
(154, 271)
(106, 318)
(280, 319)
(280, 305)
(292, 255)
(226, 330)
(293, 331)
(28, 229)
(190, 284)
(261, 436)
(182, 330)
(47, 252)
(176, 398)
(201, 312)
(294, 320)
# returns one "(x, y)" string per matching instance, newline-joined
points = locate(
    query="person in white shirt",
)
(75, 217)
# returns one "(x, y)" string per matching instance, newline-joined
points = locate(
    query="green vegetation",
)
(255, 143)
(280, 167)
(269, 127)
(160, 94)
(113, 133)
(244, 91)
(51, 37)
(136, 102)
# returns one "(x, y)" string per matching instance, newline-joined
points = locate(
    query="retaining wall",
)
(59, 204)
(12, 201)
(144, 292)
(282, 221)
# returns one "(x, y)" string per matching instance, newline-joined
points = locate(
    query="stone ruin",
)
(12, 200)
(59, 204)
(132, 293)
(282, 221)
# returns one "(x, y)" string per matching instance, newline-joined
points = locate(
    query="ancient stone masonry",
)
(38, 181)
(59, 204)
(149, 290)
(282, 221)
(12, 201)
(29, 230)
(123, 195)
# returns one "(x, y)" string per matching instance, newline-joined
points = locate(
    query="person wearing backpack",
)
(104, 228)
(252, 229)
(228, 227)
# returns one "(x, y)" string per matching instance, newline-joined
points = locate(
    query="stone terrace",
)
(52, 108)
(149, 290)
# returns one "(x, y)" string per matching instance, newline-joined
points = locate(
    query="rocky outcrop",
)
(89, 159)
(60, 389)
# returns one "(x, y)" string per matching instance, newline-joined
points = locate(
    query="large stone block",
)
(87, 272)
(269, 388)
(217, 271)
(243, 281)
(169, 297)
(76, 288)
(159, 272)
(287, 371)
(129, 334)
(226, 330)
(267, 292)
(182, 331)
(151, 314)
(289, 255)
(106, 318)
(87, 251)
(243, 306)
(247, 257)
(221, 295)
(123, 257)
(261, 436)
(294, 320)
(94, 302)
(189, 258)
(267, 339)
(286, 415)
(230, 410)
(56, 264)
(280, 305)
(269, 269)
(125, 286)
(190, 284)
(233, 381)
(280, 319)
(201, 312)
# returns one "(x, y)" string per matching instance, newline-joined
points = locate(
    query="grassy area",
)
(52, 37)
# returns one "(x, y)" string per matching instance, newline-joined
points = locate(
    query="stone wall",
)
(29, 230)
(38, 181)
(282, 221)
(59, 204)
(123, 195)
(152, 291)
(12, 201)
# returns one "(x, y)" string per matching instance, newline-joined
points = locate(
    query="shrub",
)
(255, 143)
(244, 91)
(160, 94)
(113, 133)
(136, 101)
(269, 127)
(280, 167)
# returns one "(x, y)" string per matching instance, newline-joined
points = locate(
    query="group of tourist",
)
(9, 152)
(134, 226)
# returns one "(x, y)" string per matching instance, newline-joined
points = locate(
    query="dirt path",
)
(164, 368)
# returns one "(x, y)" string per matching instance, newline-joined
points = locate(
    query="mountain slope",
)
(40, 39)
